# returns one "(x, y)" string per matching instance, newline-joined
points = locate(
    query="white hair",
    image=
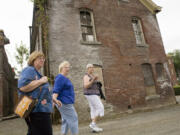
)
(89, 65)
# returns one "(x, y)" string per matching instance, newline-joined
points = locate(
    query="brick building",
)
(172, 71)
(120, 37)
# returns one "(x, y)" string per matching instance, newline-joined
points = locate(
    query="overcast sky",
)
(16, 17)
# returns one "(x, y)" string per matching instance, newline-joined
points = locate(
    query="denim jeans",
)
(69, 119)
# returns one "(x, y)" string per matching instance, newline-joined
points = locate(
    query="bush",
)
(177, 89)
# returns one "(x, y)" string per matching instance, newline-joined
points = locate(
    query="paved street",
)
(164, 121)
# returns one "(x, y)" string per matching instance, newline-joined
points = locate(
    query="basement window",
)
(138, 32)
(87, 27)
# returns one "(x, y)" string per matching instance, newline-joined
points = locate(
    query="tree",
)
(176, 59)
(22, 56)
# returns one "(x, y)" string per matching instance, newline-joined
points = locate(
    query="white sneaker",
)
(95, 128)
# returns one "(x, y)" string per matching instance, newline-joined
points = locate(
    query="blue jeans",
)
(69, 119)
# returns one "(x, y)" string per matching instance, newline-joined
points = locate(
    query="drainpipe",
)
(30, 33)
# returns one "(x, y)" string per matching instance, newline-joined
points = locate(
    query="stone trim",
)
(152, 97)
(142, 45)
(90, 43)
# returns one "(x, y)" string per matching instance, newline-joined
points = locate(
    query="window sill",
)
(90, 43)
(125, 1)
(142, 45)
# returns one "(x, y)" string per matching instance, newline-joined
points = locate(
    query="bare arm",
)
(88, 82)
(34, 84)
(55, 100)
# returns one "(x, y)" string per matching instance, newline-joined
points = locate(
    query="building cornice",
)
(151, 6)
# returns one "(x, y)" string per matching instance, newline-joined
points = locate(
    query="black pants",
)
(39, 124)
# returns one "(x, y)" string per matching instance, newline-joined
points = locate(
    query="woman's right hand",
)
(55, 100)
(44, 79)
(95, 78)
(58, 102)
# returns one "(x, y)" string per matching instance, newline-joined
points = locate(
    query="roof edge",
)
(152, 7)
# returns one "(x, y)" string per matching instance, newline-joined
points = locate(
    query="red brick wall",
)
(172, 71)
(121, 58)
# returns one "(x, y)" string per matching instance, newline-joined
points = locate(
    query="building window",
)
(87, 26)
(123, 0)
(148, 74)
(149, 82)
(161, 76)
(138, 32)
(169, 62)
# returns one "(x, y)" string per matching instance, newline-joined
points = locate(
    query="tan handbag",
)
(25, 106)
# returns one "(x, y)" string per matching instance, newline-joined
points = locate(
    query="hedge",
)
(177, 89)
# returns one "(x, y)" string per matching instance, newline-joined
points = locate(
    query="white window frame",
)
(94, 41)
(138, 32)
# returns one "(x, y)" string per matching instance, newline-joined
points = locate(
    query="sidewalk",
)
(163, 121)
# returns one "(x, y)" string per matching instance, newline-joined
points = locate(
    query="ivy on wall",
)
(42, 19)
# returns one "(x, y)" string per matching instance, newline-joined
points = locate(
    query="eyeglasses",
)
(68, 67)
(41, 58)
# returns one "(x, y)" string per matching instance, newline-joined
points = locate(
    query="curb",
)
(9, 117)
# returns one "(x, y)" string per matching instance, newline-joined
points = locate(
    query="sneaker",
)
(100, 129)
(95, 128)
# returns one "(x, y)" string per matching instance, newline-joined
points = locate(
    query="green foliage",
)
(176, 59)
(41, 20)
(40, 5)
(177, 89)
(22, 55)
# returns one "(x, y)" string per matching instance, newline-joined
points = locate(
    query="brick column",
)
(7, 81)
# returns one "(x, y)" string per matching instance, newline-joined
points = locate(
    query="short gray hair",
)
(89, 65)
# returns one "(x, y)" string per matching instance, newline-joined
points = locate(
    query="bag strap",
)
(88, 76)
(39, 92)
(40, 86)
